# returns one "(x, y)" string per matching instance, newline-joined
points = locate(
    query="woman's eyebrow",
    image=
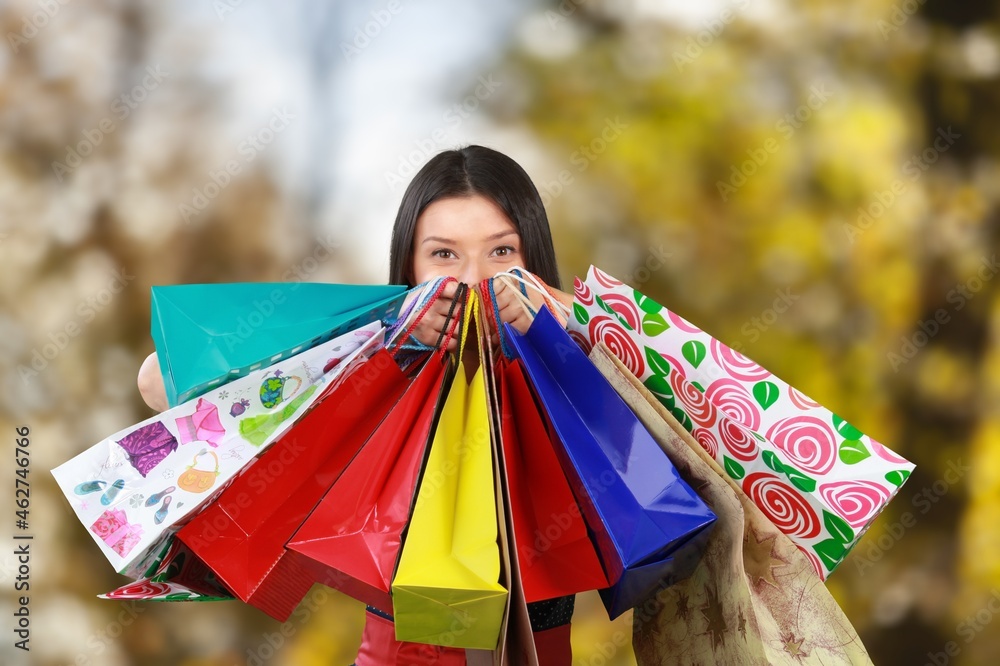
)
(501, 234)
(446, 241)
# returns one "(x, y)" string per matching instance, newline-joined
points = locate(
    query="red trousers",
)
(379, 647)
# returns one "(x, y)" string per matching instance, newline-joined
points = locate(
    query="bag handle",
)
(489, 296)
(435, 287)
(470, 313)
(446, 336)
(521, 278)
(199, 454)
(424, 295)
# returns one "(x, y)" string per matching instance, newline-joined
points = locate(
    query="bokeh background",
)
(723, 156)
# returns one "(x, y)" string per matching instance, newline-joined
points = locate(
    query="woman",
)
(470, 214)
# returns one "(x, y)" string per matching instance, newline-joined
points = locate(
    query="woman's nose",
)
(473, 272)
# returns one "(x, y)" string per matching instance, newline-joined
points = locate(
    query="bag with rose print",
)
(819, 479)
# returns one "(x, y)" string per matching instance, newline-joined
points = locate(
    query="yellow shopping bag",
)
(446, 590)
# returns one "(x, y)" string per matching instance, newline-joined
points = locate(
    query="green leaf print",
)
(653, 324)
(846, 430)
(733, 468)
(645, 303)
(838, 527)
(853, 451)
(694, 352)
(657, 364)
(765, 393)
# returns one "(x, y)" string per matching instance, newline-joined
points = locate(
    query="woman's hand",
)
(511, 310)
(150, 383)
(436, 320)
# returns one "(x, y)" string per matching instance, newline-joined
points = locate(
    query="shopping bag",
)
(648, 523)
(178, 575)
(446, 589)
(133, 489)
(761, 599)
(516, 643)
(556, 555)
(242, 535)
(351, 540)
(817, 477)
(208, 334)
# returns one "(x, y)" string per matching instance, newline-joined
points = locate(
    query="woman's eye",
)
(505, 251)
(443, 254)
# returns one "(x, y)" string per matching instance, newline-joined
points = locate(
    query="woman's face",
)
(468, 238)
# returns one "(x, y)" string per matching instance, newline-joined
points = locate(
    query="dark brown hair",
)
(465, 172)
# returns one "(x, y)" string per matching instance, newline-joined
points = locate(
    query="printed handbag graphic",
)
(196, 480)
(817, 477)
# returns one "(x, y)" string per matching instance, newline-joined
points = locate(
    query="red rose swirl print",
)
(807, 441)
(145, 589)
(625, 307)
(606, 280)
(857, 502)
(581, 340)
(801, 400)
(695, 403)
(611, 333)
(582, 292)
(816, 564)
(706, 438)
(886, 454)
(737, 439)
(736, 364)
(730, 396)
(782, 504)
(682, 324)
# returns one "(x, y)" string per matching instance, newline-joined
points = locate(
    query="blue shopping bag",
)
(649, 525)
(209, 334)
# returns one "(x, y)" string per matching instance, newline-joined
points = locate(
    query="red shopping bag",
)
(242, 535)
(352, 539)
(556, 556)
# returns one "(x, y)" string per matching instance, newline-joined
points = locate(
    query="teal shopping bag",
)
(209, 334)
